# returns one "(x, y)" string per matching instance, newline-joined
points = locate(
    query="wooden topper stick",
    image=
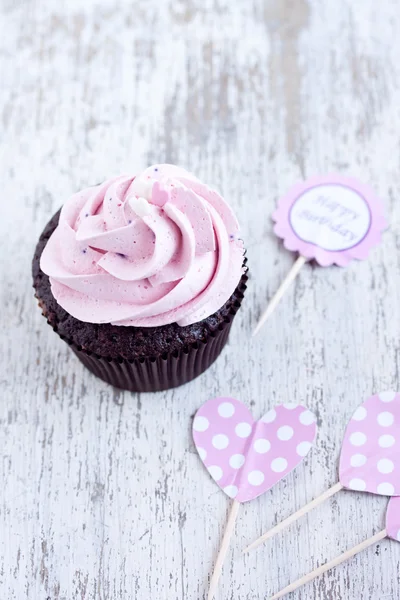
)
(330, 565)
(223, 549)
(303, 511)
(294, 271)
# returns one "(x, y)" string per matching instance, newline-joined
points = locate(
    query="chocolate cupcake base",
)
(139, 359)
(157, 373)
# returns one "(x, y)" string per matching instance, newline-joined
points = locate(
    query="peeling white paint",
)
(103, 495)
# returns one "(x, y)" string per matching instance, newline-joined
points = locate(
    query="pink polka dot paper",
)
(393, 519)
(246, 457)
(370, 458)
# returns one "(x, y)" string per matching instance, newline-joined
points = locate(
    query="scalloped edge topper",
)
(284, 229)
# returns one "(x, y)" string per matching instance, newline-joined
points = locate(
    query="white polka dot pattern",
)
(285, 433)
(370, 458)
(385, 466)
(220, 441)
(303, 448)
(358, 438)
(215, 472)
(386, 441)
(262, 446)
(256, 477)
(200, 424)
(357, 484)
(385, 489)
(247, 457)
(307, 417)
(360, 413)
(358, 460)
(385, 419)
(279, 465)
(236, 461)
(270, 416)
(243, 430)
(231, 491)
(387, 396)
(226, 409)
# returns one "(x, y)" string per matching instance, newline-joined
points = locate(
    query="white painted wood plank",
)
(103, 496)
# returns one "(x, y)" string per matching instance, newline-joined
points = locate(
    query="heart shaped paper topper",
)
(393, 519)
(370, 458)
(332, 219)
(246, 457)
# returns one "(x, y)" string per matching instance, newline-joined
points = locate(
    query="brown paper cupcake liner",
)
(153, 374)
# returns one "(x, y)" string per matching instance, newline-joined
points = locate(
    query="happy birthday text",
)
(336, 212)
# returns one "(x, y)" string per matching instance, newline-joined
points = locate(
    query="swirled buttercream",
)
(145, 251)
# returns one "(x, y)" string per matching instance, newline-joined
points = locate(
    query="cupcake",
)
(142, 277)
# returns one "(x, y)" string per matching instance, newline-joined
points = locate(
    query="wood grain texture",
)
(103, 496)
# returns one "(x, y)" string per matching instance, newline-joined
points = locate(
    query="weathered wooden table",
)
(103, 495)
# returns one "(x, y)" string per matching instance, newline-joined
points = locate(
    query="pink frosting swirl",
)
(145, 251)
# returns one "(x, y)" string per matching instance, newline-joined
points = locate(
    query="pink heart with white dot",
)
(246, 457)
(370, 458)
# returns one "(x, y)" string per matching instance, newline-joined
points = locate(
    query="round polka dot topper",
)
(246, 457)
(331, 219)
(370, 457)
(392, 530)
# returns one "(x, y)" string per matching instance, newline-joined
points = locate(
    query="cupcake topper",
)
(392, 530)
(370, 457)
(331, 219)
(246, 457)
